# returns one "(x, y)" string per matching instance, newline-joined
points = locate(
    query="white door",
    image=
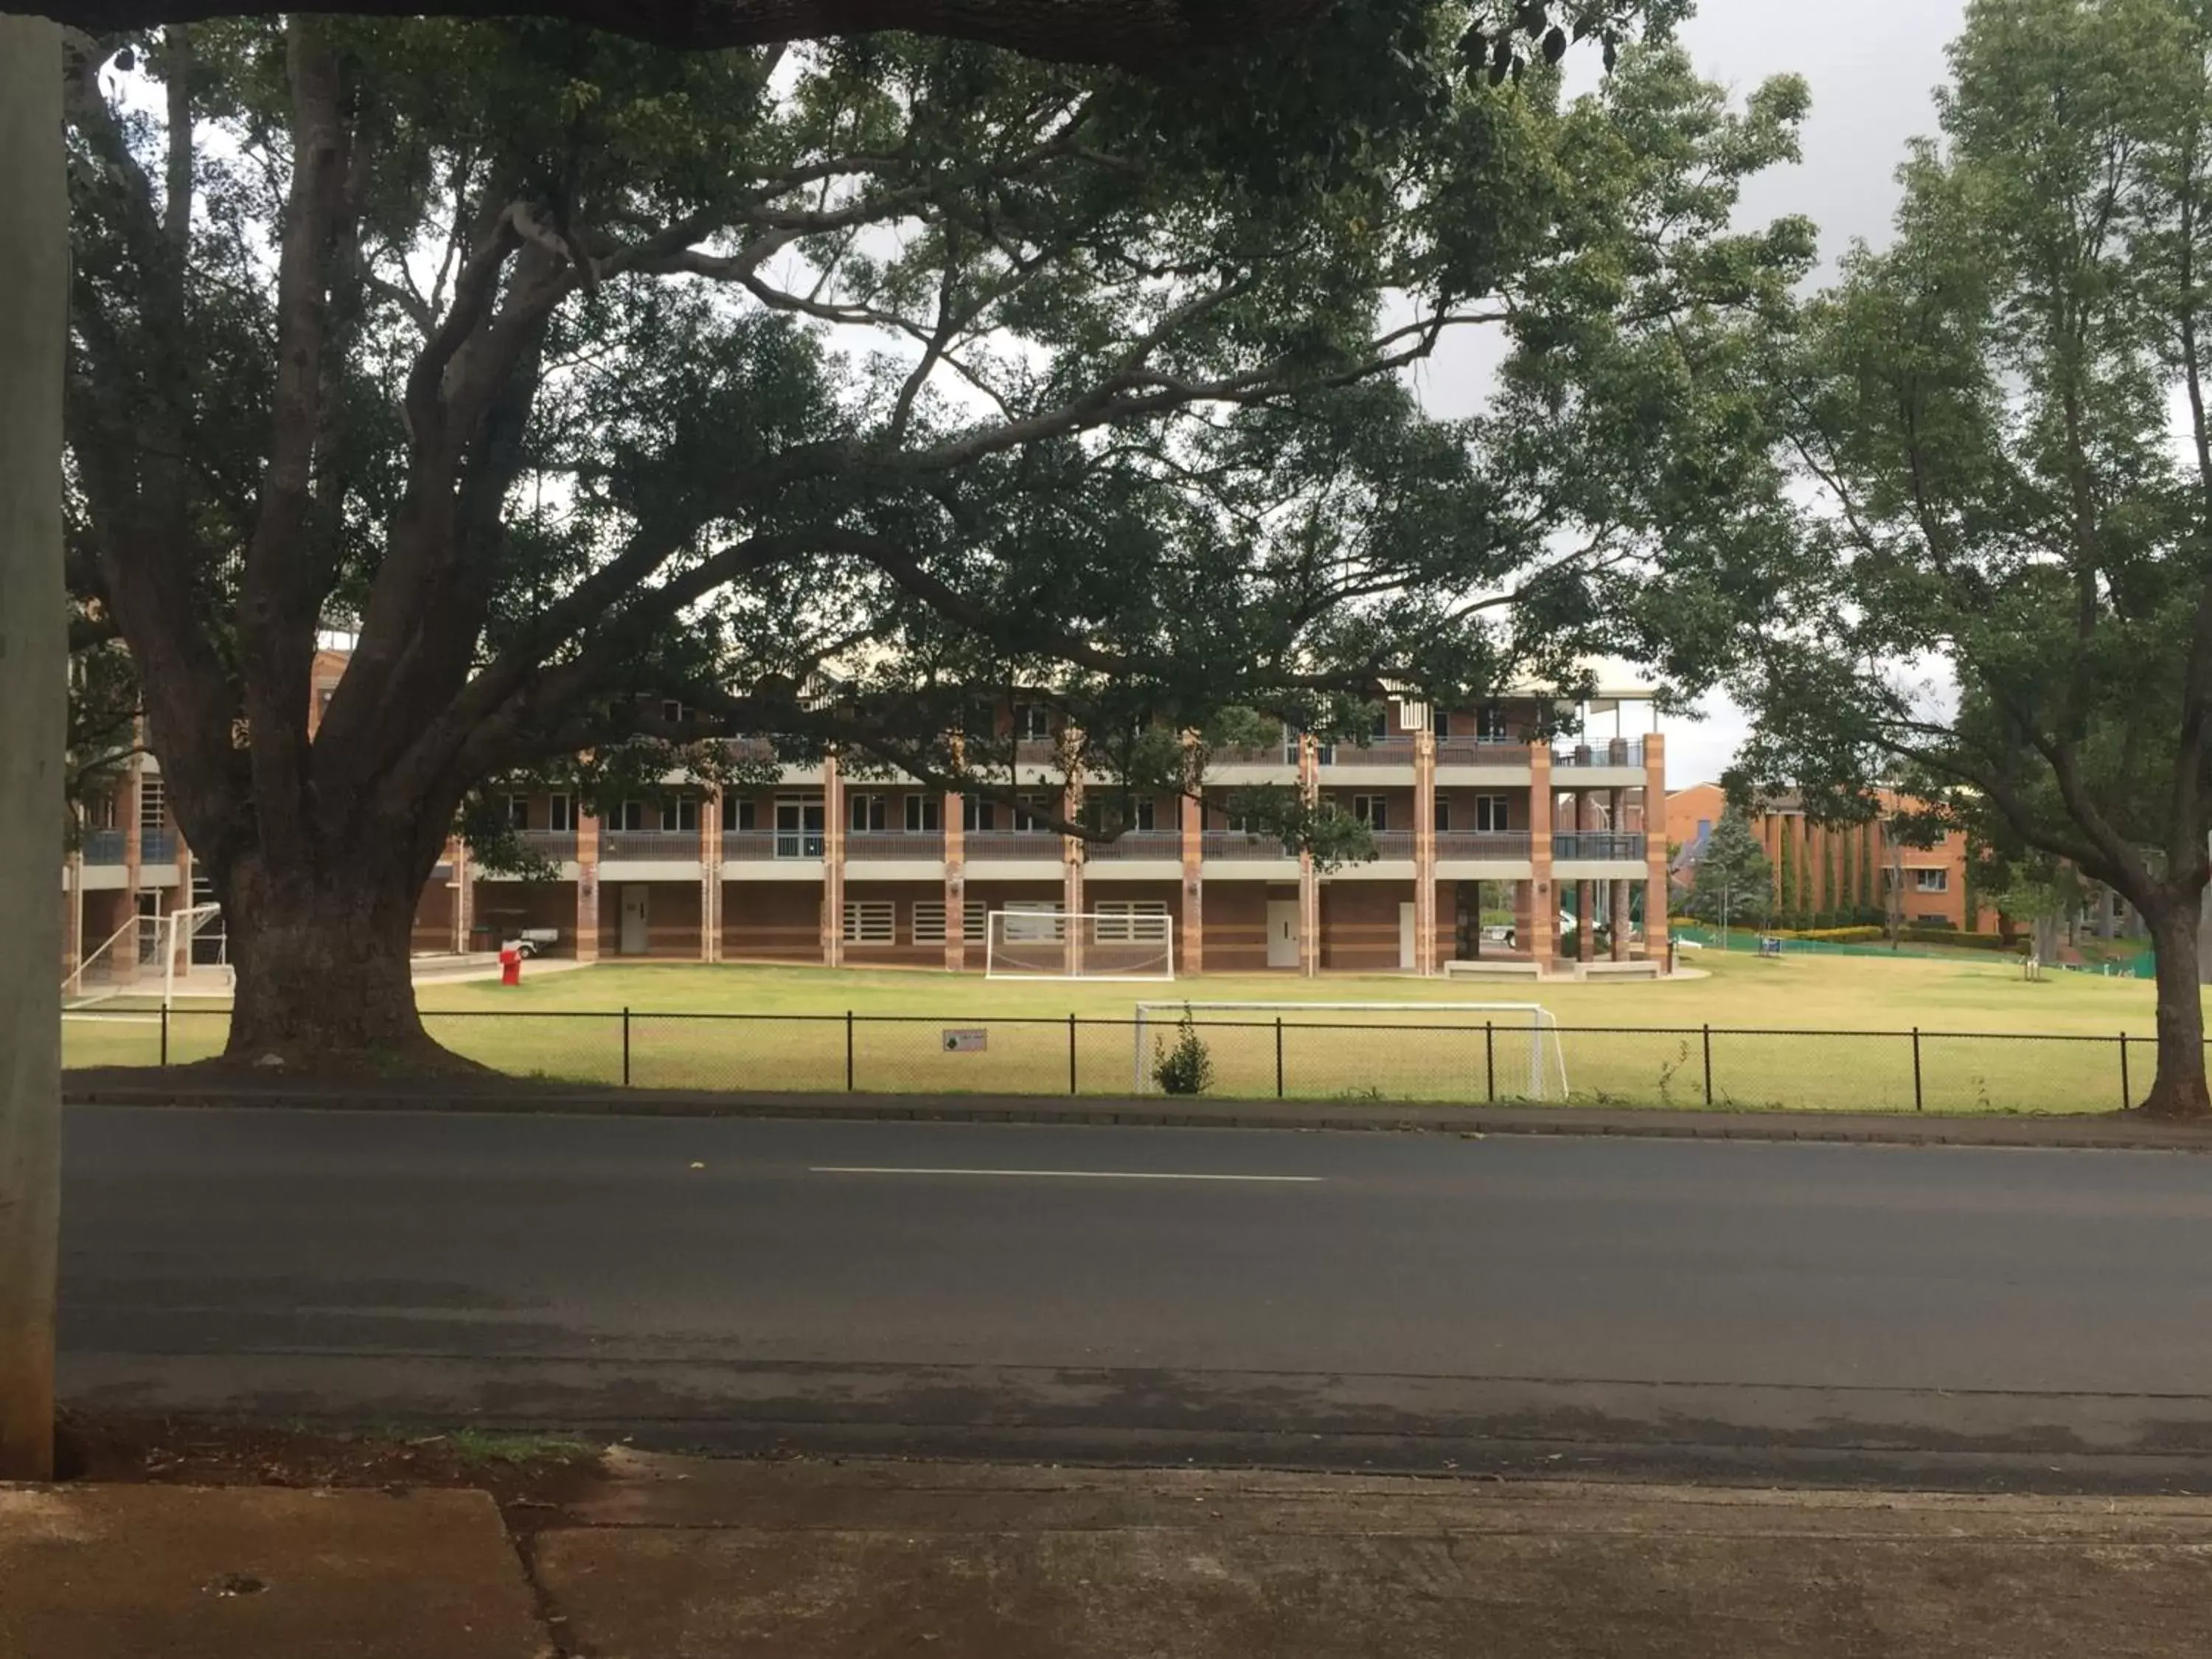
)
(1406, 935)
(633, 919)
(1282, 932)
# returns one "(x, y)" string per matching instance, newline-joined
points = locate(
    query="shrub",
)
(1188, 1067)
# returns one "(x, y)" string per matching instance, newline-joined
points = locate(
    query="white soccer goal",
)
(198, 940)
(1523, 1044)
(1131, 943)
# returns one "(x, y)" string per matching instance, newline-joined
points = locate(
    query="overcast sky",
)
(1871, 65)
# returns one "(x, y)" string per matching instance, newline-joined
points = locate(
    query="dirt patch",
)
(533, 1478)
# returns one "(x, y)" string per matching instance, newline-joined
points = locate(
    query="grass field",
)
(1991, 1040)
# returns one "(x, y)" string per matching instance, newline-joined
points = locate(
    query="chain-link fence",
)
(1389, 1056)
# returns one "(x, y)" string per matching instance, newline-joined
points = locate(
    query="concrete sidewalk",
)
(196, 1087)
(674, 1558)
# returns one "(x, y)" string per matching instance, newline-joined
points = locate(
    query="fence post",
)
(1709, 1064)
(1490, 1061)
(848, 1051)
(1279, 1056)
(625, 1047)
(165, 1034)
(1070, 1054)
(2127, 1094)
(1919, 1103)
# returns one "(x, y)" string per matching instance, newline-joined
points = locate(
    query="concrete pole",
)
(33, 691)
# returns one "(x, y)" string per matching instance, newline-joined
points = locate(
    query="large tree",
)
(1733, 880)
(603, 378)
(2005, 609)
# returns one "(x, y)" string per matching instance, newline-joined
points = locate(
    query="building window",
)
(1032, 721)
(559, 812)
(1493, 814)
(679, 813)
(1141, 816)
(518, 811)
(922, 815)
(672, 711)
(1705, 830)
(153, 803)
(929, 922)
(865, 813)
(1291, 743)
(1444, 722)
(1490, 725)
(1030, 813)
(1444, 815)
(978, 814)
(871, 921)
(1379, 726)
(629, 815)
(1131, 921)
(740, 813)
(1931, 881)
(1373, 811)
(100, 813)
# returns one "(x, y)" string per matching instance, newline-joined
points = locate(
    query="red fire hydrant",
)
(510, 964)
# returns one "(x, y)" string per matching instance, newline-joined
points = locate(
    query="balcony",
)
(1391, 844)
(742, 845)
(1236, 844)
(660, 846)
(1138, 844)
(1589, 848)
(1481, 844)
(1036, 751)
(1617, 751)
(1379, 751)
(894, 844)
(103, 847)
(157, 847)
(555, 846)
(1503, 749)
(1013, 844)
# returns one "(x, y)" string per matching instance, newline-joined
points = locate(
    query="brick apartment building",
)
(1838, 869)
(1474, 815)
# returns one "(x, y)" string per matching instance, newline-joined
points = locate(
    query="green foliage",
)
(1186, 1068)
(1734, 875)
(1994, 495)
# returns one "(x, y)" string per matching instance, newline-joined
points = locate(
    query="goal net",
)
(1135, 943)
(1473, 1051)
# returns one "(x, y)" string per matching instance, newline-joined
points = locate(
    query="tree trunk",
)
(2178, 1090)
(324, 982)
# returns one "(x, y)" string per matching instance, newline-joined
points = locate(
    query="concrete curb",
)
(2110, 1132)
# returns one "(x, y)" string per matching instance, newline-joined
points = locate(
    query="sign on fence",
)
(966, 1042)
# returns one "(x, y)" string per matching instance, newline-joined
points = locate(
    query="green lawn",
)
(1639, 1043)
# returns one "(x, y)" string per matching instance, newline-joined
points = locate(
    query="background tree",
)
(2006, 603)
(1733, 880)
(606, 380)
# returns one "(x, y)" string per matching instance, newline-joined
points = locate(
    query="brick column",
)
(1192, 823)
(953, 816)
(833, 864)
(1308, 877)
(181, 897)
(1617, 902)
(1656, 894)
(462, 895)
(588, 886)
(1539, 938)
(1071, 850)
(710, 875)
(125, 968)
(73, 908)
(1585, 891)
(1424, 851)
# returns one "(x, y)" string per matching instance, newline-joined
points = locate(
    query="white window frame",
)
(518, 811)
(1032, 723)
(871, 921)
(925, 814)
(679, 814)
(1143, 816)
(977, 813)
(629, 816)
(1931, 881)
(560, 811)
(974, 921)
(1490, 724)
(740, 813)
(153, 803)
(1028, 808)
(867, 812)
(1127, 922)
(1493, 814)
(1443, 815)
(928, 921)
(1374, 811)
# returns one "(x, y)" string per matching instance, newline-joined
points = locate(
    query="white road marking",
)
(1062, 1175)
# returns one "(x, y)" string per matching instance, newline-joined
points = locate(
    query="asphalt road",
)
(1405, 1301)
